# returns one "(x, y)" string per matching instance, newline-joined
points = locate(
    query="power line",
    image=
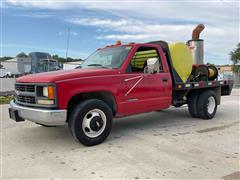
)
(68, 37)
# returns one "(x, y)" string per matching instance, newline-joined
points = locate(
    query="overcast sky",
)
(41, 25)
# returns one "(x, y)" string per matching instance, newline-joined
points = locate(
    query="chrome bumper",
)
(41, 116)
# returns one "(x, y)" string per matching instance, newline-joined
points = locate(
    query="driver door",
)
(146, 92)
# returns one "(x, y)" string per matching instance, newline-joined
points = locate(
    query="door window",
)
(139, 60)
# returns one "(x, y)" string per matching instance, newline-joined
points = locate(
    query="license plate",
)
(13, 114)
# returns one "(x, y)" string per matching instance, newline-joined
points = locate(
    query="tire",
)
(207, 104)
(192, 101)
(90, 122)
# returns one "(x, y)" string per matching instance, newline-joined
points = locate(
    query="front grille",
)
(26, 99)
(25, 87)
(25, 93)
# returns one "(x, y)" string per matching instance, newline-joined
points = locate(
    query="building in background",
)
(10, 66)
(23, 63)
(35, 62)
(226, 73)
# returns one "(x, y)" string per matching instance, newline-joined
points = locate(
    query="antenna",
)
(68, 37)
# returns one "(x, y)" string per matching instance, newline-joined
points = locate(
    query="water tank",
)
(181, 59)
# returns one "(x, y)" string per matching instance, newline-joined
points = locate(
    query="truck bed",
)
(226, 86)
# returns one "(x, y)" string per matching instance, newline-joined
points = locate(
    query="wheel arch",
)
(105, 96)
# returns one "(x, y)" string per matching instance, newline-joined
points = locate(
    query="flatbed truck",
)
(115, 81)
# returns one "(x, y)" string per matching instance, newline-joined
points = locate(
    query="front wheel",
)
(91, 122)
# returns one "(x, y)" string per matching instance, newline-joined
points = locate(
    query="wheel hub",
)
(211, 105)
(96, 123)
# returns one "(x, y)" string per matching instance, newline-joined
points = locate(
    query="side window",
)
(139, 60)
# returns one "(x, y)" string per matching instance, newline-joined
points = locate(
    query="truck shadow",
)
(47, 135)
(160, 121)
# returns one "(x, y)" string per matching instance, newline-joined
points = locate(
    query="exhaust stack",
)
(196, 45)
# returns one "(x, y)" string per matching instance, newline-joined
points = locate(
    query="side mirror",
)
(152, 66)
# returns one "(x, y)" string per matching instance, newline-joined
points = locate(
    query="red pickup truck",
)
(115, 81)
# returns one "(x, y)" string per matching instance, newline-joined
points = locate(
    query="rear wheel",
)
(90, 122)
(192, 101)
(207, 104)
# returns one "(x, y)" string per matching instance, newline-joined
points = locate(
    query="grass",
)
(6, 99)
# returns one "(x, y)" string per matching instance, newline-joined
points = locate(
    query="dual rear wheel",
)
(202, 104)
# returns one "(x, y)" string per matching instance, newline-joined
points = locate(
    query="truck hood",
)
(50, 77)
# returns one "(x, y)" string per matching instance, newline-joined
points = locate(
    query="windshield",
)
(107, 58)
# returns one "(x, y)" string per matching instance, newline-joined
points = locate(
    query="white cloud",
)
(139, 30)
(153, 20)
(125, 37)
(60, 33)
(35, 15)
(73, 33)
(29, 48)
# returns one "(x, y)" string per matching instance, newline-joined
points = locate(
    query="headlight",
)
(48, 91)
(46, 95)
(45, 91)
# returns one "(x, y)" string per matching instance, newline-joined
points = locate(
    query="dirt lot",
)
(167, 144)
(7, 84)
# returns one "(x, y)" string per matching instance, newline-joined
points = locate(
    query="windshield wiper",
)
(95, 65)
(78, 67)
(99, 65)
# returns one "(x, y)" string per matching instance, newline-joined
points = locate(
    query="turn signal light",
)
(50, 92)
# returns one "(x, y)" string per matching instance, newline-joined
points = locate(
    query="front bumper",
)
(41, 116)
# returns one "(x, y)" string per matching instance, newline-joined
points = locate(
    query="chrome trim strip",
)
(132, 99)
(129, 79)
(133, 78)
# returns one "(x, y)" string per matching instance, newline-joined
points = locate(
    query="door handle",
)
(165, 79)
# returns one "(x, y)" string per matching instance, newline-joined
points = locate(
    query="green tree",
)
(63, 60)
(235, 58)
(5, 58)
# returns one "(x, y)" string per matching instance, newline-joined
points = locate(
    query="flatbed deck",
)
(204, 84)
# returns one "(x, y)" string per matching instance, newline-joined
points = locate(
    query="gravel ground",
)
(7, 84)
(166, 144)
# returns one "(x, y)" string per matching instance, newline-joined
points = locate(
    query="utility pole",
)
(68, 37)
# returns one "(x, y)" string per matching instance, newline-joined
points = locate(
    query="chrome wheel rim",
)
(94, 123)
(211, 104)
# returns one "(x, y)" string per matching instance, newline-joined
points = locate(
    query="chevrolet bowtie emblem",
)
(17, 92)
